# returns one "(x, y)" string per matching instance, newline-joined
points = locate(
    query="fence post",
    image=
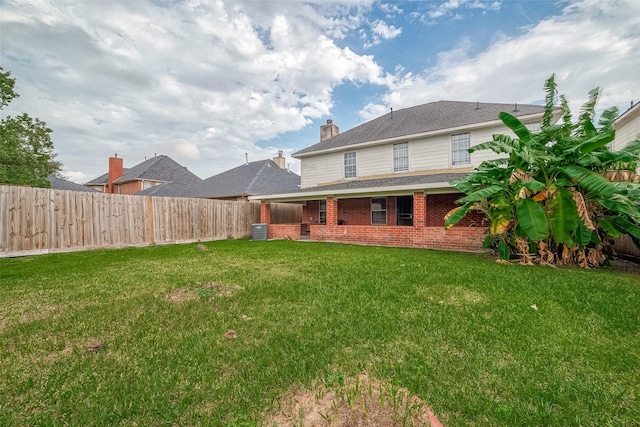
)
(152, 232)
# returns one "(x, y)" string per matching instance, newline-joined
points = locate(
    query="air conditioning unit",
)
(258, 231)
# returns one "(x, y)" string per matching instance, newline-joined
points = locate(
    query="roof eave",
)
(431, 188)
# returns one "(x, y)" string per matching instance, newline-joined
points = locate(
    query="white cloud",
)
(593, 43)
(217, 76)
(452, 8)
(385, 31)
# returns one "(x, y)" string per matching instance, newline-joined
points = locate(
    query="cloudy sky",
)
(206, 81)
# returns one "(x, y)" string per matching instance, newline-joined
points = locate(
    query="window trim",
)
(382, 209)
(351, 165)
(463, 161)
(403, 148)
(322, 209)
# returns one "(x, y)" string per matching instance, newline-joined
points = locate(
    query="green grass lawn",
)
(137, 336)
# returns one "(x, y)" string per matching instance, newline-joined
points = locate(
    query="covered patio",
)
(403, 211)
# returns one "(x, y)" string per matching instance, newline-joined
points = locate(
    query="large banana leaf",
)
(590, 180)
(608, 118)
(483, 193)
(609, 228)
(626, 226)
(532, 219)
(457, 215)
(551, 90)
(533, 185)
(501, 144)
(564, 216)
(597, 141)
(583, 234)
(503, 248)
(516, 126)
(621, 205)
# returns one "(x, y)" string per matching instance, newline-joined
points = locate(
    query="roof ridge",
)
(257, 175)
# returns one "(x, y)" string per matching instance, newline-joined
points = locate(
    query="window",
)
(350, 165)
(379, 211)
(459, 149)
(533, 127)
(147, 184)
(401, 157)
(322, 211)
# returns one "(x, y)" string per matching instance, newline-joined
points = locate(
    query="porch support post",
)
(419, 209)
(265, 212)
(332, 211)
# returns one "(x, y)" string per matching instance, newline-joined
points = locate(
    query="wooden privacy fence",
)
(286, 213)
(625, 246)
(42, 220)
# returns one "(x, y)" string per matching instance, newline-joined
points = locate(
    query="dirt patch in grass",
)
(359, 402)
(181, 295)
(204, 291)
(456, 295)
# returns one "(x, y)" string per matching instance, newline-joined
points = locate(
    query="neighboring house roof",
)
(430, 183)
(63, 184)
(167, 189)
(421, 119)
(260, 177)
(102, 179)
(159, 168)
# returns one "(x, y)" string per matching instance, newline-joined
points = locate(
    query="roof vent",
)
(515, 109)
(477, 105)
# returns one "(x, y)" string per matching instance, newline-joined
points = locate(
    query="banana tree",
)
(559, 195)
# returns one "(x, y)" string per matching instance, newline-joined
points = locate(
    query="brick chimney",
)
(280, 161)
(329, 130)
(115, 172)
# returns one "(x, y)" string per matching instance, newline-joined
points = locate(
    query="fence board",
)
(625, 246)
(40, 220)
(286, 213)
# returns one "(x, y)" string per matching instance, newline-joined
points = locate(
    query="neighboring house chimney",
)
(115, 172)
(280, 161)
(329, 130)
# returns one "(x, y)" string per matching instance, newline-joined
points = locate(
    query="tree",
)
(558, 196)
(27, 154)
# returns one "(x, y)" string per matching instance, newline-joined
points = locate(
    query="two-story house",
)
(388, 181)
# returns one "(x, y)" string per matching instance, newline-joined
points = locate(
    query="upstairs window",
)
(350, 165)
(459, 149)
(401, 157)
(533, 127)
(379, 211)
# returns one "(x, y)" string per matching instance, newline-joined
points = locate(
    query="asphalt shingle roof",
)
(422, 118)
(260, 177)
(63, 184)
(159, 168)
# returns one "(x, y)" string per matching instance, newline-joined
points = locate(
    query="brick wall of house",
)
(129, 187)
(355, 211)
(310, 212)
(391, 210)
(284, 231)
(439, 204)
(457, 238)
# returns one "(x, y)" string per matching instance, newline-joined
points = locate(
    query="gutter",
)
(433, 188)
